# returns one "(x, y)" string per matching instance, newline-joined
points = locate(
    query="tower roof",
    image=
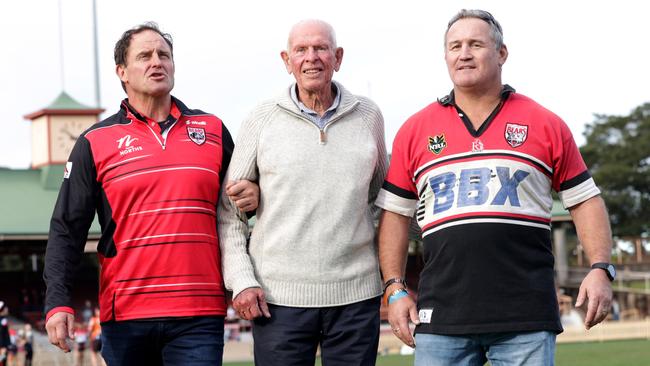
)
(65, 104)
(65, 101)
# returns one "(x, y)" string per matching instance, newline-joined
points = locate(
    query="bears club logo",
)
(516, 134)
(437, 143)
(196, 134)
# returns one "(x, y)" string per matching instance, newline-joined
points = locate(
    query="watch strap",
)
(394, 280)
(605, 267)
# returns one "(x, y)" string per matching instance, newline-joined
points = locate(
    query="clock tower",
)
(55, 129)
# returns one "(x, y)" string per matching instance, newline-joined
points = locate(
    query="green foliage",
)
(617, 152)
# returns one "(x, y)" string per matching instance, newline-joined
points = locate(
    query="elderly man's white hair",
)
(324, 24)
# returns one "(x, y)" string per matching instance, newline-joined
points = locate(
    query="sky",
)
(575, 58)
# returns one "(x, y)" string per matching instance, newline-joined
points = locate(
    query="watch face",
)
(611, 270)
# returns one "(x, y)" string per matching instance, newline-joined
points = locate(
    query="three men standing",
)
(477, 168)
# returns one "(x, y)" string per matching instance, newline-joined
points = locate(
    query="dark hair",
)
(122, 45)
(495, 27)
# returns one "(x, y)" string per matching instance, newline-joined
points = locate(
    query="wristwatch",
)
(607, 267)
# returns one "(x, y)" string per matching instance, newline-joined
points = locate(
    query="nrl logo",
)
(516, 134)
(196, 134)
(437, 143)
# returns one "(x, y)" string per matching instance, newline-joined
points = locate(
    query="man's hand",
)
(60, 328)
(597, 290)
(251, 304)
(399, 314)
(245, 194)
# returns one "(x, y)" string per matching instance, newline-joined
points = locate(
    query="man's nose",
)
(155, 59)
(465, 52)
(311, 54)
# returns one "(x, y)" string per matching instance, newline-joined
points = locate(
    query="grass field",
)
(614, 353)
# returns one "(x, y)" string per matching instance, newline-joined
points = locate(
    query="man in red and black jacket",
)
(152, 172)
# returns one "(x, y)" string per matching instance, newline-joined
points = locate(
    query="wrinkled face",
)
(471, 55)
(312, 58)
(149, 69)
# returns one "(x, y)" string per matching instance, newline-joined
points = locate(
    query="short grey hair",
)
(326, 25)
(495, 27)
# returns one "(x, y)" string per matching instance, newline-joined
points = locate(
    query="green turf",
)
(614, 353)
(381, 361)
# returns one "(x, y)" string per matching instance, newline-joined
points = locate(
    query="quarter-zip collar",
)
(132, 114)
(348, 102)
(161, 136)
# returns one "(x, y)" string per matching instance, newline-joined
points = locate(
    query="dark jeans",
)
(348, 335)
(196, 341)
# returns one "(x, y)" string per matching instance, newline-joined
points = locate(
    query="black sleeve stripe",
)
(578, 179)
(228, 145)
(398, 191)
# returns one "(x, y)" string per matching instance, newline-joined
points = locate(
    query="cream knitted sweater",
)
(313, 242)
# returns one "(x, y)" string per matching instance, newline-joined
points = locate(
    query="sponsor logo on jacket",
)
(125, 147)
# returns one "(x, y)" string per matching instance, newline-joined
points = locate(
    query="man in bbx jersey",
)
(153, 173)
(477, 169)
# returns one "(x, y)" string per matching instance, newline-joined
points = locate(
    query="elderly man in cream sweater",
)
(309, 275)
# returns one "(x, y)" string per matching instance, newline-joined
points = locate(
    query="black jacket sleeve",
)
(227, 146)
(73, 214)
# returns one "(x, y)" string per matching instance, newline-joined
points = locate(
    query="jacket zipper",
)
(162, 143)
(322, 135)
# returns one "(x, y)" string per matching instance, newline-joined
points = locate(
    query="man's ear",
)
(120, 70)
(338, 54)
(503, 55)
(285, 59)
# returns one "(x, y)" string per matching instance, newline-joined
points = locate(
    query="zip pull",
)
(323, 138)
(163, 147)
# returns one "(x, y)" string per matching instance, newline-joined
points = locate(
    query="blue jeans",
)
(196, 341)
(515, 348)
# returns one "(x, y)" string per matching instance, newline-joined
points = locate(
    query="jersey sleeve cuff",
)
(579, 193)
(394, 203)
(59, 309)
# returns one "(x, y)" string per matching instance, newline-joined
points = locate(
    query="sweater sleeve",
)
(375, 121)
(238, 271)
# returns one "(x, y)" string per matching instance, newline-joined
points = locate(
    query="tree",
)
(617, 152)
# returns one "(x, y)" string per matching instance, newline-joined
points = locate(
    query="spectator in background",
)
(616, 310)
(95, 332)
(87, 312)
(26, 339)
(5, 339)
(81, 340)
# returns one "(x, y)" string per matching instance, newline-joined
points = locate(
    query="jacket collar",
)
(348, 100)
(450, 100)
(177, 109)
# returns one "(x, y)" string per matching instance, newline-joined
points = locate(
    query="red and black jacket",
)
(156, 197)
